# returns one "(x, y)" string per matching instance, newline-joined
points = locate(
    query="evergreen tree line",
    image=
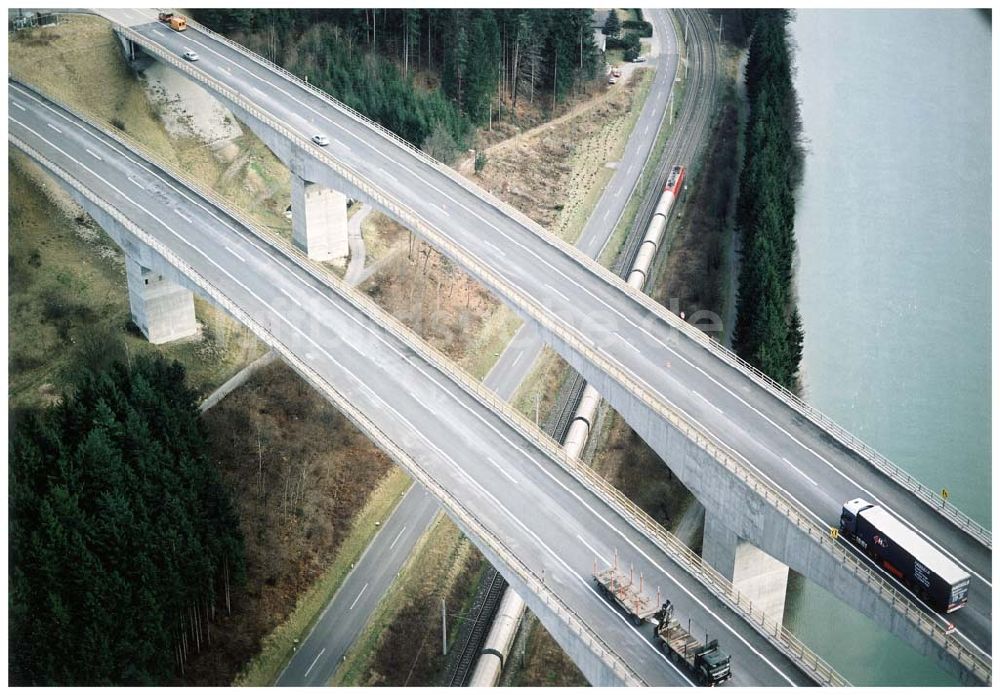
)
(123, 542)
(487, 60)
(768, 330)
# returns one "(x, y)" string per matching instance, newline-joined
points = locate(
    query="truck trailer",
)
(709, 664)
(930, 574)
(628, 594)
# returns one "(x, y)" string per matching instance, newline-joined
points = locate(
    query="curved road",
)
(546, 517)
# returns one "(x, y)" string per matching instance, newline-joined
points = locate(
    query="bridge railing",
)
(632, 514)
(882, 463)
(462, 514)
(533, 308)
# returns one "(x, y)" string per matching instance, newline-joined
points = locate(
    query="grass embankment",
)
(79, 62)
(69, 300)
(68, 277)
(401, 645)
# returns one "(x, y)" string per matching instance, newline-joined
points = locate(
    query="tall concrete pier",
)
(753, 572)
(163, 310)
(319, 220)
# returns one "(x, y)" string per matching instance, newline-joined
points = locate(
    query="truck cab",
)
(712, 664)
(849, 515)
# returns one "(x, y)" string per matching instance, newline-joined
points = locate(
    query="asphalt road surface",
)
(545, 516)
(767, 435)
(319, 655)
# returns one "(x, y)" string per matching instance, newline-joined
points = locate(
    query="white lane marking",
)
(872, 496)
(282, 290)
(443, 209)
(494, 247)
(242, 260)
(797, 470)
(315, 660)
(398, 535)
(516, 359)
(587, 291)
(446, 195)
(158, 32)
(136, 182)
(418, 432)
(182, 216)
(358, 597)
(593, 550)
(550, 287)
(54, 128)
(707, 401)
(15, 103)
(626, 341)
(502, 470)
(531, 252)
(94, 155)
(377, 398)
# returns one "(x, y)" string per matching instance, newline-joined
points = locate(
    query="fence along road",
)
(540, 516)
(799, 461)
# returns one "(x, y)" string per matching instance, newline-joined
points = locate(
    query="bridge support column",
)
(162, 310)
(753, 572)
(319, 220)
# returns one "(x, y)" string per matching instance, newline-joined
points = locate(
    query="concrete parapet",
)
(162, 310)
(319, 220)
(753, 572)
(744, 511)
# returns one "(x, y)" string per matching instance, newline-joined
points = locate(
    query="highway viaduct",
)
(770, 471)
(541, 517)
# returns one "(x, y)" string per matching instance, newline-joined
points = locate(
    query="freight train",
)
(938, 581)
(654, 233)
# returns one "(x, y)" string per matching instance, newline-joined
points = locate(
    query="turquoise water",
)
(894, 235)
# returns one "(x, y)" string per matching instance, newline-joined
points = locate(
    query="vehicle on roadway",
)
(321, 140)
(705, 661)
(931, 575)
(190, 55)
(708, 663)
(622, 589)
(176, 21)
(639, 59)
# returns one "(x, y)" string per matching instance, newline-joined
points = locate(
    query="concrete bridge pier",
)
(163, 310)
(129, 48)
(319, 220)
(757, 575)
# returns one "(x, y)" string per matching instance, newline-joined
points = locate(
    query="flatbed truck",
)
(705, 661)
(709, 664)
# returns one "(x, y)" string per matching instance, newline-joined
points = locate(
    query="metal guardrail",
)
(894, 472)
(533, 308)
(956, 516)
(534, 582)
(632, 514)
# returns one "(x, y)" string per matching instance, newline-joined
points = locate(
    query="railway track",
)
(476, 635)
(696, 115)
(689, 133)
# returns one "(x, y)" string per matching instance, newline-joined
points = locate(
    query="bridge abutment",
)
(319, 220)
(754, 573)
(162, 310)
